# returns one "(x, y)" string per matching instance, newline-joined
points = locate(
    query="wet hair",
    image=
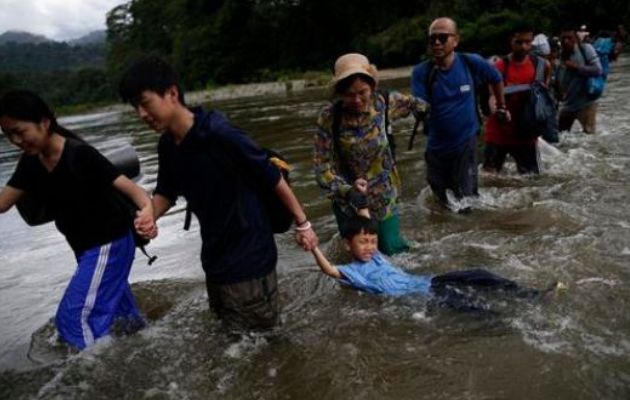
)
(343, 85)
(358, 224)
(148, 73)
(24, 105)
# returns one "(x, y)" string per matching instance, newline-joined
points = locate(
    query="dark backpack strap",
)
(539, 66)
(390, 137)
(469, 66)
(431, 76)
(587, 62)
(428, 84)
(506, 65)
(187, 217)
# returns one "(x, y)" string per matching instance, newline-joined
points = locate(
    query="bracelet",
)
(301, 222)
(306, 227)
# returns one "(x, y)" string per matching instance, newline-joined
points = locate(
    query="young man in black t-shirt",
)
(210, 162)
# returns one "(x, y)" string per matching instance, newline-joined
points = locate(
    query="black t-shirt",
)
(78, 192)
(213, 168)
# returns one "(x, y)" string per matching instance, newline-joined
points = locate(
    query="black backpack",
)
(279, 216)
(34, 211)
(538, 116)
(480, 94)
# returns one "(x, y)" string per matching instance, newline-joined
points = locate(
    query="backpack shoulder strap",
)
(388, 132)
(385, 94)
(539, 66)
(583, 52)
(430, 79)
(206, 138)
(473, 85)
(506, 65)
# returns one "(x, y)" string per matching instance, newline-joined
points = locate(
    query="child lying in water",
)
(371, 272)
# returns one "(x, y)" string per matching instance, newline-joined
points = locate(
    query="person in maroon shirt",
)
(501, 137)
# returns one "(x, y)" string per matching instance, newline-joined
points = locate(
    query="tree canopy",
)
(233, 41)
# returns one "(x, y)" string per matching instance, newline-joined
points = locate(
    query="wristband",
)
(301, 222)
(306, 227)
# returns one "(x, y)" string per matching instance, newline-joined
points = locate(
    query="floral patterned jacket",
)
(364, 152)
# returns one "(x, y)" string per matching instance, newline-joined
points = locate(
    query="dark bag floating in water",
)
(34, 212)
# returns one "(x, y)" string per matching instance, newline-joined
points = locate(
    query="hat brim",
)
(350, 72)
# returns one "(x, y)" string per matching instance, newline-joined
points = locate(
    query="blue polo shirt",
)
(453, 118)
(220, 172)
(378, 276)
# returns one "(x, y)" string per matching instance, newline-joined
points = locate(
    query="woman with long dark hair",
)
(82, 192)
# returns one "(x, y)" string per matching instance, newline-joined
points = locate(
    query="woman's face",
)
(358, 96)
(29, 136)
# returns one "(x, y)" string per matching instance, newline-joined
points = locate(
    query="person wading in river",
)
(79, 187)
(221, 173)
(353, 151)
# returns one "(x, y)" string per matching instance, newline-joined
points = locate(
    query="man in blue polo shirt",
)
(447, 83)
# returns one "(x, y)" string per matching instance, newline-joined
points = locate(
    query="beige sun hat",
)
(353, 63)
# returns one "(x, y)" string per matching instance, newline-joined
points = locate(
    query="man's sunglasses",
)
(440, 37)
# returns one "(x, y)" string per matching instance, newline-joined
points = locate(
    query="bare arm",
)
(305, 236)
(8, 197)
(160, 205)
(324, 264)
(144, 221)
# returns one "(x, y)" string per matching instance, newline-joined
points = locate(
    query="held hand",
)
(364, 212)
(306, 237)
(361, 185)
(145, 224)
(503, 115)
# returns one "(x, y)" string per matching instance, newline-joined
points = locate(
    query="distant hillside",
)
(95, 37)
(20, 37)
(47, 56)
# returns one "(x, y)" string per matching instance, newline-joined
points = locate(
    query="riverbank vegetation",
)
(219, 42)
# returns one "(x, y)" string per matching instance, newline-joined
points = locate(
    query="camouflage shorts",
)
(251, 305)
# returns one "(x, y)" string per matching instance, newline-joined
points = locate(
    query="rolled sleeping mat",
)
(35, 212)
(125, 159)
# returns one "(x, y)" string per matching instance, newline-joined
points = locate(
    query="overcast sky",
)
(56, 19)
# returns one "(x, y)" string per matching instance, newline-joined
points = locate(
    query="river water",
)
(571, 224)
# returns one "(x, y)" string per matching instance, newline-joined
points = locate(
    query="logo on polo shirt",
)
(464, 88)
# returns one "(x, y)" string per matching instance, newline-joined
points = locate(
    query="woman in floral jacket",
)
(353, 159)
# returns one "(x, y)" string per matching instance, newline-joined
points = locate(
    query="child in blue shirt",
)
(371, 272)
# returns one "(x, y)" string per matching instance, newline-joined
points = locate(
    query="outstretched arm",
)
(324, 264)
(8, 197)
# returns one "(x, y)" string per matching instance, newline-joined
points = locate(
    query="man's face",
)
(157, 110)
(521, 44)
(568, 40)
(442, 39)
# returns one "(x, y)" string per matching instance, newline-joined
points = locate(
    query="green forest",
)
(215, 42)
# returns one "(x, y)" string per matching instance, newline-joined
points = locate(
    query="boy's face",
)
(157, 111)
(362, 246)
